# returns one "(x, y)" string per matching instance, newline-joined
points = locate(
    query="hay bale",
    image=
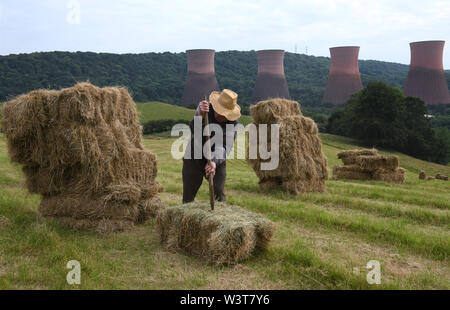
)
(373, 163)
(302, 165)
(351, 172)
(81, 149)
(392, 176)
(349, 157)
(368, 165)
(273, 110)
(223, 236)
(422, 175)
(441, 177)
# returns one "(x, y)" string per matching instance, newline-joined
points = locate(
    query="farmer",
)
(222, 110)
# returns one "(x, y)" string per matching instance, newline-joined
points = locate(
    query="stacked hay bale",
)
(369, 165)
(223, 236)
(302, 165)
(81, 149)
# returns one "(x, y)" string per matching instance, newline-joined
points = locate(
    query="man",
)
(222, 110)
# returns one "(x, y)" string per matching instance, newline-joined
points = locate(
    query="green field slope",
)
(150, 111)
(323, 240)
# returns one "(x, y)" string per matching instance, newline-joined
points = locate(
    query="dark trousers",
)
(193, 174)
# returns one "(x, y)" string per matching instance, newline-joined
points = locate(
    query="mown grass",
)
(323, 240)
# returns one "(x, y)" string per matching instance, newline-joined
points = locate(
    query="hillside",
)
(157, 110)
(160, 76)
(323, 241)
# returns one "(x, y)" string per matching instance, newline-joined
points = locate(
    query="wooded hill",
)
(160, 76)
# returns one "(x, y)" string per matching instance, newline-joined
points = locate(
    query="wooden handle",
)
(208, 150)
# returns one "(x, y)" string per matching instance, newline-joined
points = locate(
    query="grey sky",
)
(382, 28)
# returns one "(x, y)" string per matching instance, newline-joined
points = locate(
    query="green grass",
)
(149, 111)
(323, 240)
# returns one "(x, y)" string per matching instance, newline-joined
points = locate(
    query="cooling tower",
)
(344, 78)
(201, 77)
(270, 81)
(426, 77)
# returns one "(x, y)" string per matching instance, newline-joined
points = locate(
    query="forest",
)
(160, 76)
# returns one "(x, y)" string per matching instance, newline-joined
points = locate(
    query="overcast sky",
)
(382, 28)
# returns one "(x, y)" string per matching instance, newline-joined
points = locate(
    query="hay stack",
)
(223, 236)
(302, 165)
(368, 165)
(81, 149)
(422, 175)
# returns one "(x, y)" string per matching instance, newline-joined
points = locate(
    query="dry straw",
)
(223, 236)
(302, 165)
(369, 165)
(80, 148)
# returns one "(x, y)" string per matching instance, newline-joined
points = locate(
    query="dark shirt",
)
(219, 151)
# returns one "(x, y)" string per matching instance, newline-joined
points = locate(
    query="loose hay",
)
(80, 148)
(223, 236)
(302, 165)
(368, 165)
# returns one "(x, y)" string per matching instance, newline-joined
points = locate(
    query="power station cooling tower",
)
(426, 77)
(344, 79)
(201, 77)
(270, 81)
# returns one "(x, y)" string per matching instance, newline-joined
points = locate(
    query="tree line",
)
(161, 76)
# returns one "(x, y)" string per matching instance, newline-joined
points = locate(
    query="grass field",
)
(323, 241)
(149, 111)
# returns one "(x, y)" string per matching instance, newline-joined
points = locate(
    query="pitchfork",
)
(208, 156)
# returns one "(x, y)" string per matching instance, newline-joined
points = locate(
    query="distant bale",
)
(4, 222)
(80, 148)
(302, 165)
(369, 165)
(422, 175)
(372, 163)
(441, 177)
(223, 236)
(388, 175)
(351, 172)
(349, 157)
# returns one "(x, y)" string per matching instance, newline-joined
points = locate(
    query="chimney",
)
(270, 81)
(200, 78)
(426, 77)
(344, 78)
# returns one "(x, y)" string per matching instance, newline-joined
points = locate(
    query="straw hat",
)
(225, 103)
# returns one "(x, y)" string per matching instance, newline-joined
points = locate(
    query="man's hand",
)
(210, 169)
(203, 108)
